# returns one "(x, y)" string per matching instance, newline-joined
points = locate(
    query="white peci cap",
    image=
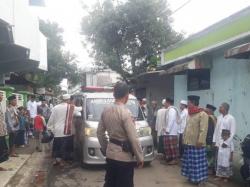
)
(66, 97)
(163, 101)
(183, 102)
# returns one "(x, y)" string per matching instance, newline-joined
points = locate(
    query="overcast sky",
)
(193, 17)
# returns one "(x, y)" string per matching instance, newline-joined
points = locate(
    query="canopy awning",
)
(12, 52)
(19, 65)
(191, 65)
(239, 52)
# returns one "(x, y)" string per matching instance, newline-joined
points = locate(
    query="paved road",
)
(156, 175)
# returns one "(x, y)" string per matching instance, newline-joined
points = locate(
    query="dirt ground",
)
(156, 174)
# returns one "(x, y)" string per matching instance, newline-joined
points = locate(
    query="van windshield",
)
(95, 106)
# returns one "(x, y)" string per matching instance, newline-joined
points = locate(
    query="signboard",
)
(40, 91)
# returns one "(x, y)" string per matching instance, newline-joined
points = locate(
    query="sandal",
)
(56, 163)
(14, 155)
(3, 169)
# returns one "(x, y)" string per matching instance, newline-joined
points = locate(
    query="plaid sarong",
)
(171, 147)
(194, 165)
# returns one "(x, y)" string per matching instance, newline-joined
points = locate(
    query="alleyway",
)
(156, 175)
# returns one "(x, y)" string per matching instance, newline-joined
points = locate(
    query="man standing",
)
(225, 121)
(210, 109)
(183, 123)
(144, 107)
(123, 144)
(194, 165)
(61, 124)
(160, 123)
(46, 112)
(32, 107)
(32, 112)
(152, 120)
(12, 122)
(3, 133)
(170, 130)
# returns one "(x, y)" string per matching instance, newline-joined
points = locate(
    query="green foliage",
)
(61, 64)
(126, 35)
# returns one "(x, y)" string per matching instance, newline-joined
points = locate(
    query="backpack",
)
(245, 146)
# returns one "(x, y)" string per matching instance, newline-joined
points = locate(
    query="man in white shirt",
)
(224, 121)
(182, 124)
(170, 130)
(32, 107)
(61, 124)
(160, 121)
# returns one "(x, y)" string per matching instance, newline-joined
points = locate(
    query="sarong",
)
(63, 147)
(160, 145)
(194, 165)
(171, 147)
(3, 149)
(211, 157)
(224, 171)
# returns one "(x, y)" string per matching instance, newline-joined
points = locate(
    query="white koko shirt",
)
(183, 121)
(57, 119)
(32, 108)
(171, 124)
(224, 122)
(160, 121)
(224, 154)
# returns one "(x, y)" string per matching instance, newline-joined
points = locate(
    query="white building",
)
(102, 78)
(22, 46)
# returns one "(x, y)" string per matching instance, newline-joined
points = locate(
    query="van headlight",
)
(91, 132)
(144, 131)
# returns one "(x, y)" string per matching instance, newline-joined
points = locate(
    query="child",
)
(225, 157)
(22, 127)
(39, 126)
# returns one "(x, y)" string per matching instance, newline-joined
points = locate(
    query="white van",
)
(93, 105)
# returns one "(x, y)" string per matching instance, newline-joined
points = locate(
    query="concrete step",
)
(13, 165)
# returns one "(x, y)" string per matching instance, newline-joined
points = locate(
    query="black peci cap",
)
(169, 100)
(211, 107)
(12, 97)
(194, 98)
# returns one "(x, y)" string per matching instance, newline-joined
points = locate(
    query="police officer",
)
(123, 144)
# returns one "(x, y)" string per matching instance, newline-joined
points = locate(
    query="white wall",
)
(25, 29)
(230, 82)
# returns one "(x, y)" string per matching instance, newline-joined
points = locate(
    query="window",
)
(198, 80)
(95, 107)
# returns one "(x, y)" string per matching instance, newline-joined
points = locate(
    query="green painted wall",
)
(229, 30)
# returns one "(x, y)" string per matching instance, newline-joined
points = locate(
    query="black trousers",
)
(3, 149)
(20, 138)
(119, 174)
(12, 139)
(181, 146)
(160, 147)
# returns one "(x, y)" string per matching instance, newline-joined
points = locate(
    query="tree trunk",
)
(134, 70)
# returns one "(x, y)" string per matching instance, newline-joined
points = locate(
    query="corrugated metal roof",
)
(241, 51)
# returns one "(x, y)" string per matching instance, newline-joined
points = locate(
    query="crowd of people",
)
(41, 121)
(19, 124)
(190, 134)
(202, 142)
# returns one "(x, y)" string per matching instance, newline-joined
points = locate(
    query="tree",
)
(61, 64)
(127, 36)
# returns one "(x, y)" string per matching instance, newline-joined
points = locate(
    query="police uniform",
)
(117, 121)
